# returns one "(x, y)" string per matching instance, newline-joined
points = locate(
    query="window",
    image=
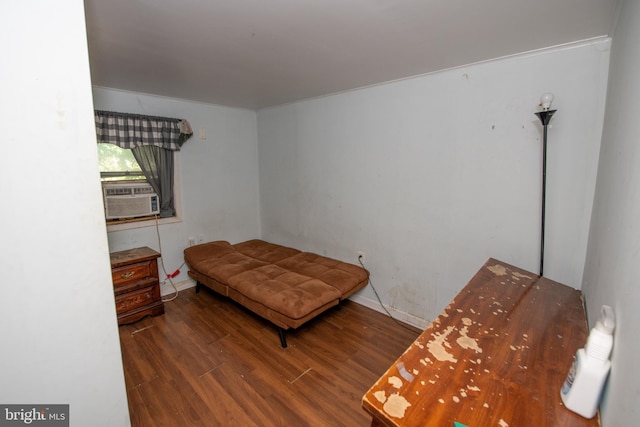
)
(118, 164)
(128, 196)
(122, 178)
(143, 149)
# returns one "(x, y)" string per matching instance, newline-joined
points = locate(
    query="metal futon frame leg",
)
(283, 338)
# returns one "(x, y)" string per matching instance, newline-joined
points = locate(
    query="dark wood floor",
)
(209, 362)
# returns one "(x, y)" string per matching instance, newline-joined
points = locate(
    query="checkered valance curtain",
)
(133, 130)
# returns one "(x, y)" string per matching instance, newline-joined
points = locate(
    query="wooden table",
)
(496, 356)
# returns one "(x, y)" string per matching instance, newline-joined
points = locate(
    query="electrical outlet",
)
(192, 240)
(361, 256)
(201, 238)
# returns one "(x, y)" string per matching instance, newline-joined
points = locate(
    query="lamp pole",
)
(545, 117)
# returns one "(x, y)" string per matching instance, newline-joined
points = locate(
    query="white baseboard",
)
(167, 289)
(398, 315)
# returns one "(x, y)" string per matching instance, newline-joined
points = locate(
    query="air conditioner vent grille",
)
(130, 201)
(118, 191)
(143, 190)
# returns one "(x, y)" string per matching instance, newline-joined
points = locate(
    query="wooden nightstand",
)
(136, 284)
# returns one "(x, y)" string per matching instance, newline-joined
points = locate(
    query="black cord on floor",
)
(411, 328)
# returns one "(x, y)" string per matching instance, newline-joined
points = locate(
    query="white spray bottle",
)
(583, 386)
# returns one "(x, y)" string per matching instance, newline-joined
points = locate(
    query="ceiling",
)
(257, 53)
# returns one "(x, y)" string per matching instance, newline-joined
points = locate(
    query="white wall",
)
(218, 178)
(57, 314)
(431, 176)
(613, 258)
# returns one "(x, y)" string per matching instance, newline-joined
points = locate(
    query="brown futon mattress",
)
(283, 285)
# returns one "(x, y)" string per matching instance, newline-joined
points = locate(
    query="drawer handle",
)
(128, 275)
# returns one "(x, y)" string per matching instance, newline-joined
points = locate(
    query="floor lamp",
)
(544, 115)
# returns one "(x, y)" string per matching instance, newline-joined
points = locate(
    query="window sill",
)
(142, 224)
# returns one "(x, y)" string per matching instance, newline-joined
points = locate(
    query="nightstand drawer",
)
(137, 299)
(130, 273)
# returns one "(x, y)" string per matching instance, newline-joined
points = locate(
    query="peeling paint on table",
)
(495, 356)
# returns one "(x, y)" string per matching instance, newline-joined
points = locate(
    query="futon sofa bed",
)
(284, 285)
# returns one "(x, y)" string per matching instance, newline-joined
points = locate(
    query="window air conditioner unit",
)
(130, 200)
